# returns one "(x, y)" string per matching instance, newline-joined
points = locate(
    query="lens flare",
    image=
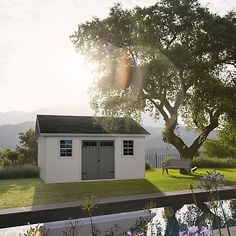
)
(123, 70)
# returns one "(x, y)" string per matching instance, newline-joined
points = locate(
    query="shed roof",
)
(87, 125)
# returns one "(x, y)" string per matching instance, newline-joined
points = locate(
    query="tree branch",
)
(170, 42)
(167, 105)
(205, 132)
(160, 109)
(169, 136)
(132, 55)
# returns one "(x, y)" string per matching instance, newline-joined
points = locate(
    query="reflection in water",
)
(171, 221)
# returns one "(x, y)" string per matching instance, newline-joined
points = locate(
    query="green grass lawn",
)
(27, 192)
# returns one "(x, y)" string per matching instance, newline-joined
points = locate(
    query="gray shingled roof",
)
(88, 125)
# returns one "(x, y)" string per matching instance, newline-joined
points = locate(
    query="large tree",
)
(174, 59)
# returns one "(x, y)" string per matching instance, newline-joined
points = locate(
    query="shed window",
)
(128, 147)
(89, 144)
(65, 148)
(106, 144)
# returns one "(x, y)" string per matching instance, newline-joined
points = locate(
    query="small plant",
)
(116, 230)
(211, 182)
(147, 165)
(35, 231)
(196, 231)
(168, 212)
(140, 227)
(88, 205)
(155, 227)
(72, 228)
(150, 206)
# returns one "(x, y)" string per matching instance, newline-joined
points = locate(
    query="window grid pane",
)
(65, 148)
(128, 147)
(65, 143)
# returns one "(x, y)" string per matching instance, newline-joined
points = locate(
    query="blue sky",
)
(38, 64)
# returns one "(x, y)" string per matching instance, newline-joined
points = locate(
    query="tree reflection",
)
(180, 219)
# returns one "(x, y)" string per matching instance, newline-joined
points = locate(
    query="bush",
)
(214, 162)
(8, 158)
(147, 165)
(217, 148)
(28, 148)
(16, 172)
(5, 162)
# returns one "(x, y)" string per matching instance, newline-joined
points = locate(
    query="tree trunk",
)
(205, 209)
(185, 151)
(172, 227)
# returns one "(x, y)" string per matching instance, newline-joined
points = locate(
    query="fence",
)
(156, 159)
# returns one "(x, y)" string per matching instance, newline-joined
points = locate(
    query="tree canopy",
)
(28, 147)
(174, 59)
(225, 144)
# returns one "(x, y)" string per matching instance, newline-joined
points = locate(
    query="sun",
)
(82, 72)
(78, 78)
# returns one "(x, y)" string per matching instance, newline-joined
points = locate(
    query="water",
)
(165, 221)
(170, 221)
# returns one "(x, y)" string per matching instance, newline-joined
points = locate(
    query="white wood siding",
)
(56, 169)
(130, 167)
(41, 157)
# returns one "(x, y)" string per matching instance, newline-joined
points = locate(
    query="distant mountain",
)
(155, 144)
(16, 117)
(9, 134)
(11, 123)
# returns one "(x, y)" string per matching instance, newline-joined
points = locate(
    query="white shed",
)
(77, 148)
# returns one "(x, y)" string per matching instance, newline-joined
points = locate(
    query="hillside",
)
(155, 144)
(9, 134)
(17, 117)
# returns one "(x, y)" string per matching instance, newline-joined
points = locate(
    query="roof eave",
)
(37, 128)
(91, 135)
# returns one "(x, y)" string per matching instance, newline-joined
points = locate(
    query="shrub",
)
(16, 172)
(147, 165)
(8, 157)
(5, 162)
(214, 162)
(28, 147)
(218, 148)
(12, 156)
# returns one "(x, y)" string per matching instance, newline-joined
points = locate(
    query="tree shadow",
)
(197, 176)
(226, 169)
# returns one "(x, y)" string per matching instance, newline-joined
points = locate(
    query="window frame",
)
(129, 148)
(65, 148)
